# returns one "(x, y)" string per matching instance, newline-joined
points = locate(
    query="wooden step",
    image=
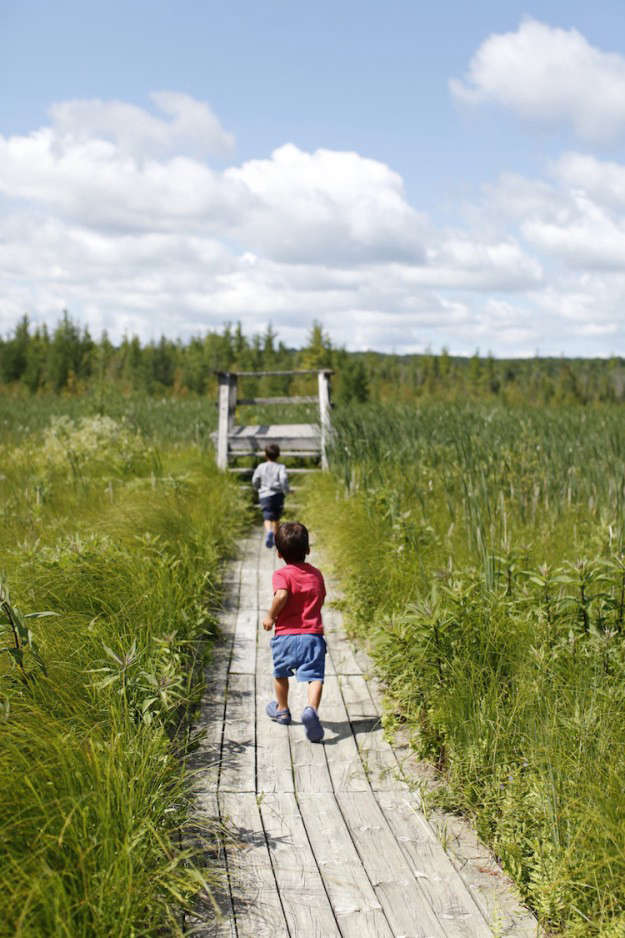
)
(300, 453)
(253, 401)
(301, 437)
(299, 471)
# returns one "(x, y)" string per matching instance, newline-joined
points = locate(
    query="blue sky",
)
(412, 177)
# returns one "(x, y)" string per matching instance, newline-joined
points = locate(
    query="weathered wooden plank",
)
(273, 762)
(273, 753)
(343, 659)
(213, 915)
(446, 893)
(344, 762)
(231, 585)
(378, 757)
(227, 398)
(249, 584)
(238, 762)
(266, 561)
(244, 650)
(300, 371)
(257, 907)
(297, 399)
(358, 660)
(404, 903)
(306, 906)
(330, 669)
(310, 768)
(356, 907)
(205, 762)
(493, 891)
(343, 655)
(381, 766)
(301, 436)
(323, 384)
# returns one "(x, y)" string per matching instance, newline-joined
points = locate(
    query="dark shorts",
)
(302, 655)
(271, 506)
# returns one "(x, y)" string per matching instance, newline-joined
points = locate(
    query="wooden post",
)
(324, 413)
(227, 404)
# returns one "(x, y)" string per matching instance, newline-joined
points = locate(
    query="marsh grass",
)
(481, 552)
(95, 797)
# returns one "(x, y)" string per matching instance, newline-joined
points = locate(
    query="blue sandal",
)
(312, 724)
(279, 716)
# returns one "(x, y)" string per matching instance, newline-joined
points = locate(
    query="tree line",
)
(68, 360)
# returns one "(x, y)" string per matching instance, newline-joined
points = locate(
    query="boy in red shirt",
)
(298, 645)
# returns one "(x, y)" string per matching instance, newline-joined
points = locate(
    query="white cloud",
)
(460, 261)
(192, 128)
(130, 238)
(589, 306)
(549, 75)
(590, 239)
(92, 182)
(324, 206)
(602, 180)
(335, 206)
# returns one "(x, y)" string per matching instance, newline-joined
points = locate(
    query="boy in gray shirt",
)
(271, 481)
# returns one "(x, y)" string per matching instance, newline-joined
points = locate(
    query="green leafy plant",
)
(17, 636)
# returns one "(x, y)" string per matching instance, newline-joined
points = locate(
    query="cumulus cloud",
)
(192, 126)
(305, 203)
(549, 75)
(602, 180)
(132, 231)
(93, 182)
(590, 238)
(464, 262)
(325, 206)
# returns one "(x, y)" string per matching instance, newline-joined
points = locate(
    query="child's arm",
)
(277, 605)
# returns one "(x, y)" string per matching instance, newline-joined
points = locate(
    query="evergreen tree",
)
(69, 354)
(14, 354)
(353, 382)
(318, 352)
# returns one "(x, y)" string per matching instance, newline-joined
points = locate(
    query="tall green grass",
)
(179, 420)
(123, 540)
(482, 554)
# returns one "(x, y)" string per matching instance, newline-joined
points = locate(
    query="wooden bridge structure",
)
(294, 439)
(327, 840)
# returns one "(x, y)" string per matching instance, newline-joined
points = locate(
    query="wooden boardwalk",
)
(328, 840)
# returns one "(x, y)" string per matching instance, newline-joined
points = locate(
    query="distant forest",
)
(69, 360)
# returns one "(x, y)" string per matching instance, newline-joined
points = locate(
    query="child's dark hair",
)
(272, 451)
(292, 541)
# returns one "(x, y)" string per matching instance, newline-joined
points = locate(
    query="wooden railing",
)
(294, 439)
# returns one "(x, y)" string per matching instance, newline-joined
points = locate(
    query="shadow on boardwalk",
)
(336, 732)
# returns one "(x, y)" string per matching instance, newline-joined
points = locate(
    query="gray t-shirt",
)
(270, 478)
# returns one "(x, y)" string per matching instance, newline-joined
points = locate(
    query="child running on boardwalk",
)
(298, 645)
(272, 483)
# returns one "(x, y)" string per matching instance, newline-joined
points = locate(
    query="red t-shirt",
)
(307, 591)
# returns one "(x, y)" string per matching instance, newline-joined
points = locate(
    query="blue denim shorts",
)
(271, 506)
(303, 655)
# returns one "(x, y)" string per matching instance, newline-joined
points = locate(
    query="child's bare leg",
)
(281, 685)
(315, 689)
(274, 526)
(268, 525)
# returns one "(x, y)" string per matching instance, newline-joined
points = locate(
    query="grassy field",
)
(115, 527)
(482, 555)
